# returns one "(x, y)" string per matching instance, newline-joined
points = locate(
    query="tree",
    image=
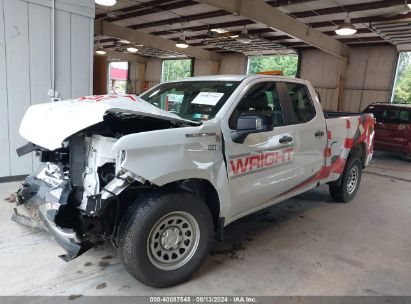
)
(403, 87)
(176, 69)
(286, 63)
(402, 90)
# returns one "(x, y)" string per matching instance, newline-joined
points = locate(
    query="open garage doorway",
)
(402, 84)
(174, 69)
(288, 64)
(118, 71)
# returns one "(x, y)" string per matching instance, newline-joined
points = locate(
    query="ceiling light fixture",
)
(219, 30)
(244, 37)
(132, 49)
(182, 43)
(106, 2)
(346, 28)
(100, 51)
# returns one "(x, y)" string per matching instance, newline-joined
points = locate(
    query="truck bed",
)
(335, 114)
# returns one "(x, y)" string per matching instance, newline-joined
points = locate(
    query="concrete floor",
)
(304, 246)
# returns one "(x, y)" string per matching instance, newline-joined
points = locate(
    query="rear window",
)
(390, 115)
(301, 101)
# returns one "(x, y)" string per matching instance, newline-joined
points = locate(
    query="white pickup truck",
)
(161, 174)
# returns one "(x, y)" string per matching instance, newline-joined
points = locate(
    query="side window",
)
(261, 99)
(405, 116)
(301, 102)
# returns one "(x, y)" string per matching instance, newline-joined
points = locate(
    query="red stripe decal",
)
(349, 142)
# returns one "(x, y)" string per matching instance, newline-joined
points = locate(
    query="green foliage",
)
(286, 63)
(402, 90)
(176, 69)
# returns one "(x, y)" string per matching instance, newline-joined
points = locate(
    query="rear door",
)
(309, 128)
(260, 166)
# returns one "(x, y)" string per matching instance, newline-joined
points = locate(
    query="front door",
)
(261, 165)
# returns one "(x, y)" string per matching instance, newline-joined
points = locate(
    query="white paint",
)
(48, 125)
(99, 152)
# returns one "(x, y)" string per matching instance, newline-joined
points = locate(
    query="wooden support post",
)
(100, 75)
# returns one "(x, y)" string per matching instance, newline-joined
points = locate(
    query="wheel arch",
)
(200, 187)
(359, 150)
(203, 189)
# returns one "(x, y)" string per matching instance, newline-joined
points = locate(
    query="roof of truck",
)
(230, 77)
(214, 78)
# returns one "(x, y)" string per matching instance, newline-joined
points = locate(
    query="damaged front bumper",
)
(47, 197)
(41, 196)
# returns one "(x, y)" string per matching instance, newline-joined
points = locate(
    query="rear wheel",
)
(164, 238)
(350, 181)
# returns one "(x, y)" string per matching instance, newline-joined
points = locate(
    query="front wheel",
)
(350, 181)
(164, 238)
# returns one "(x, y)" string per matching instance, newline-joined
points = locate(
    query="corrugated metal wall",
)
(233, 64)
(369, 77)
(25, 64)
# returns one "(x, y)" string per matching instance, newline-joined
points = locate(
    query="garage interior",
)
(307, 245)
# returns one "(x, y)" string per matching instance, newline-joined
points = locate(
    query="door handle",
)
(286, 139)
(319, 133)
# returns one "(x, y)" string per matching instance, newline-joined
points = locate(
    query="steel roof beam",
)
(264, 13)
(108, 29)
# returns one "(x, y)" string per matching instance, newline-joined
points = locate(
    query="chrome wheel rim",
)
(352, 180)
(173, 240)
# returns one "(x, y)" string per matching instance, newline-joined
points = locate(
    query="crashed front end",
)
(77, 191)
(41, 195)
(74, 201)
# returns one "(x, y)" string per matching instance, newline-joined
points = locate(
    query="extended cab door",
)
(310, 132)
(260, 165)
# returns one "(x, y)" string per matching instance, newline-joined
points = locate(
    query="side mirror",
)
(249, 124)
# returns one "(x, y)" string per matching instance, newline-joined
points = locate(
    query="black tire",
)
(344, 192)
(139, 224)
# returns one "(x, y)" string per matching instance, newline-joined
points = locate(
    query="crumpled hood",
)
(48, 125)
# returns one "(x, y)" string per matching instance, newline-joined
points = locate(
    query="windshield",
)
(193, 100)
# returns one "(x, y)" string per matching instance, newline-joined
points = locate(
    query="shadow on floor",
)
(239, 234)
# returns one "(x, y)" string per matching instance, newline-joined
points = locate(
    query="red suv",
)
(392, 128)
